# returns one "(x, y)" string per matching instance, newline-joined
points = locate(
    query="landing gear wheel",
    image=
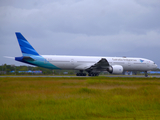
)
(146, 74)
(81, 74)
(93, 74)
(97, 74)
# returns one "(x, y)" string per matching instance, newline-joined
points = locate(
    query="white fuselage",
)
(84, 62)
(92, 65)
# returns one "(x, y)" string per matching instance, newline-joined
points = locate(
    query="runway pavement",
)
(136, 76)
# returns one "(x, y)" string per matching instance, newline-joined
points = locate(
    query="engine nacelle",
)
(115, 69)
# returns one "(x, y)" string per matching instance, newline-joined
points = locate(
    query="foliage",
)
(79, 98)
(9, 68)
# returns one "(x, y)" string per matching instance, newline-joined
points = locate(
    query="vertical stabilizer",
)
(25, 46)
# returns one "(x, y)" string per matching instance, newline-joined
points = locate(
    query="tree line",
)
(12, 69)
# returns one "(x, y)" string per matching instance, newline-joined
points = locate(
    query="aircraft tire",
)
(81, 74)
(93, 74)
(146, 75)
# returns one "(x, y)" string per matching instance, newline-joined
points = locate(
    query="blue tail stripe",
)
(20, 36)
(25, 46)
(24, 43)
(28, 51)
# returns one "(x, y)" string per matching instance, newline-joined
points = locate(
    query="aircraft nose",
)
(156, 66)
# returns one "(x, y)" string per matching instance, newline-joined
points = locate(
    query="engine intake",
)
(115, 69)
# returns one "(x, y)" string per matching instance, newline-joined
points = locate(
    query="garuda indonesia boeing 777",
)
(92, 65)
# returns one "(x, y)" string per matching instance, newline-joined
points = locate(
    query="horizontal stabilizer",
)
(8, 57)
(24, 58)
(28, 58)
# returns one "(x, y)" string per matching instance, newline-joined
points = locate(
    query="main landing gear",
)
(89, 73)
(81, 73)
(93, 74)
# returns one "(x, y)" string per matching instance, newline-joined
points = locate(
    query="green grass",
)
(79, 98)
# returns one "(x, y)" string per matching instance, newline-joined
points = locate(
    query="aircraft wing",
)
(100, 65)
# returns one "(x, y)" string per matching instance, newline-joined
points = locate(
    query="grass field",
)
(79, 98)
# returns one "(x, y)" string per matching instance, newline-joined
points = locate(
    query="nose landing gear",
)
(146, 74)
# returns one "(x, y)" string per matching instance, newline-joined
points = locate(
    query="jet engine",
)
(115, 69)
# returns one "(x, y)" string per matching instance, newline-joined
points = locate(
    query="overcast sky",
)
(81, 27)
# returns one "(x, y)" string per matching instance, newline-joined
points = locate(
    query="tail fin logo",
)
(25, 46)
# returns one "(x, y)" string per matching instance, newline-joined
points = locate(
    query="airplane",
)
(91, 64)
